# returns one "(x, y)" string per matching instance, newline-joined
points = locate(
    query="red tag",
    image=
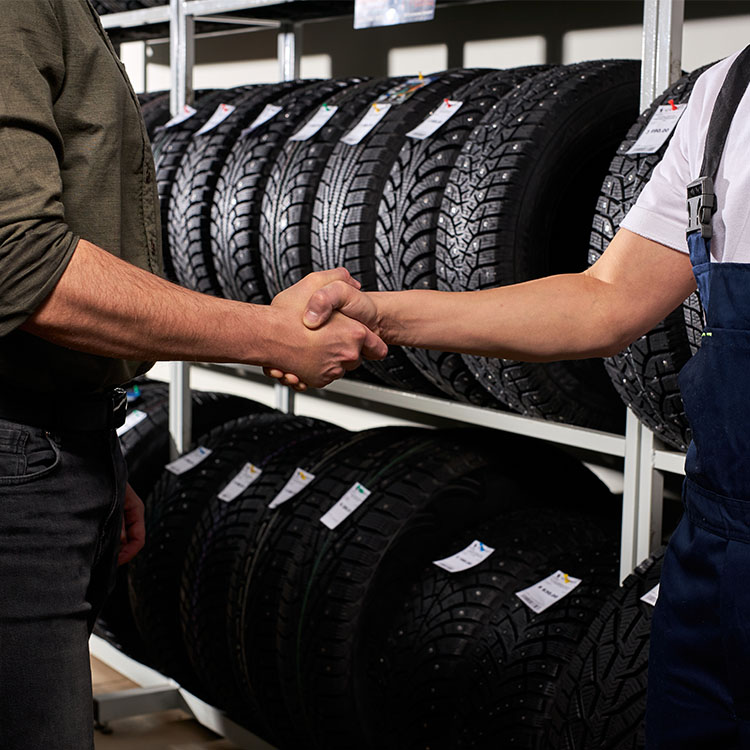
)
(447, 103)
(671, 101)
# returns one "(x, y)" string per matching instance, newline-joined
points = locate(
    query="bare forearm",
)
(559, 317)
(102, 305)
(634, 285)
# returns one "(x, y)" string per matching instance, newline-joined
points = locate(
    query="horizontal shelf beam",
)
(130, 18)
(578, 437)
(671, 461)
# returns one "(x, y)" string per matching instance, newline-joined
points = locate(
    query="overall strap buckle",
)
(701, 205)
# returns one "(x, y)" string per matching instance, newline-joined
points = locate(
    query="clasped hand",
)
(328, 343)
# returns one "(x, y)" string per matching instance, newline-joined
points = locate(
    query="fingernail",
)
(311, 316)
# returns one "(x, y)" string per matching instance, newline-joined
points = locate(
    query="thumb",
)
(338, 295)
(373, 346)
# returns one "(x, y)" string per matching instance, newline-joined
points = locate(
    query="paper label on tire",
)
(189, 460)
(650, 597)
(269, 112)
(472, 555)
(404, 91)
(135, 417)
(297, 482)
(222, 112)
(246, 476)
(544, 594)
(659, 128)
(186, 114)
(440, 116)
(372, 117)
(349, 502)
(316, 122)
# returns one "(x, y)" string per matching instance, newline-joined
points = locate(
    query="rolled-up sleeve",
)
(35, 242)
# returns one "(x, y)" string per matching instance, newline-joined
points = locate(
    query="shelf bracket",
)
(662, 47)
(289, 49)
(181, 56)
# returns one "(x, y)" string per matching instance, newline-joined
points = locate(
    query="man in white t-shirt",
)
(699, 691)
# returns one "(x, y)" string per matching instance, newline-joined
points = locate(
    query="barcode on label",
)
(189, 460)
(248, 474)
(659, 128)
(440, 116)
(135, 417)
(544, 594)
(472, 555)
(650, 597)
(223, 111)
(348, 503)
(316, 122)
(296, 483)
(371, 118)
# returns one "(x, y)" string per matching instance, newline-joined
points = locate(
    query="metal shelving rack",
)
(645, 458)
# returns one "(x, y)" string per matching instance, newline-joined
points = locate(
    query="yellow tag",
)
(567, 580)
(375, 107)
(421, 77)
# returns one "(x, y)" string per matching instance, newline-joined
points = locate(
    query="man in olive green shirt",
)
(83, 309)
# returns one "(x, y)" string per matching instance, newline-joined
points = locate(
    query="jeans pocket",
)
(26, 454)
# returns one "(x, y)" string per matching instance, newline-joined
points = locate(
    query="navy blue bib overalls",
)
(699, 663)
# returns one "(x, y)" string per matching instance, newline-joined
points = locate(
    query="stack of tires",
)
(288, 579)
(458, 180)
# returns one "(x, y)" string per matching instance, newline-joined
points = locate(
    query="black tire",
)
(346, 205)
(155, 113)
(601, 702)
(194, 186)
(423, 668)
(645, 374)
(145, 448)
(338, 584)
(286, 212)
(527, 176)
(408, 218)
(171, 512)
(235, 215)
(219, 536)
(168, 146)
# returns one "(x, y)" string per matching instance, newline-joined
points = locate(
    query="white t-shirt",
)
(660, 213)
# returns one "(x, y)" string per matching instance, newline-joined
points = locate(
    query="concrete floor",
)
(170, 730)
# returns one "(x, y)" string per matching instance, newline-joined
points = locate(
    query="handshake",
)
(326, 327)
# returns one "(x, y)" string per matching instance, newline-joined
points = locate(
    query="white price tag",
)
(222, 112)
(316, 122)
(441, 115)
(298, 481)
(650, 597)
(467, 558)
(659, 128)
(186, 114)
(372, 117)
(349, 502)
(189, 460)
(246, 476)
(135, 417)
(545, 593)
(269, 112)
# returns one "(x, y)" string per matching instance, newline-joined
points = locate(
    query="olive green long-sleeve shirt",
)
(75, 163)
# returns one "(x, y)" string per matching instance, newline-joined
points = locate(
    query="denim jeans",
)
(61, 498)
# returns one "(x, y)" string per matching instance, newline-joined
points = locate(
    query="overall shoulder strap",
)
(701, 196)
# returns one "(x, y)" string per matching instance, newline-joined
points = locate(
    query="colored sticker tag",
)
(650, 597)
(246, 476)
(441, 115)
(467, 558)
(135, 417)
(186, 114)
(297, 482)
(659, 128)
(269, 112)
(316, 122)
(349, 502)
(548, 591)
(403, 91)
(371, 118)
(223, 111)
(189, 460)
